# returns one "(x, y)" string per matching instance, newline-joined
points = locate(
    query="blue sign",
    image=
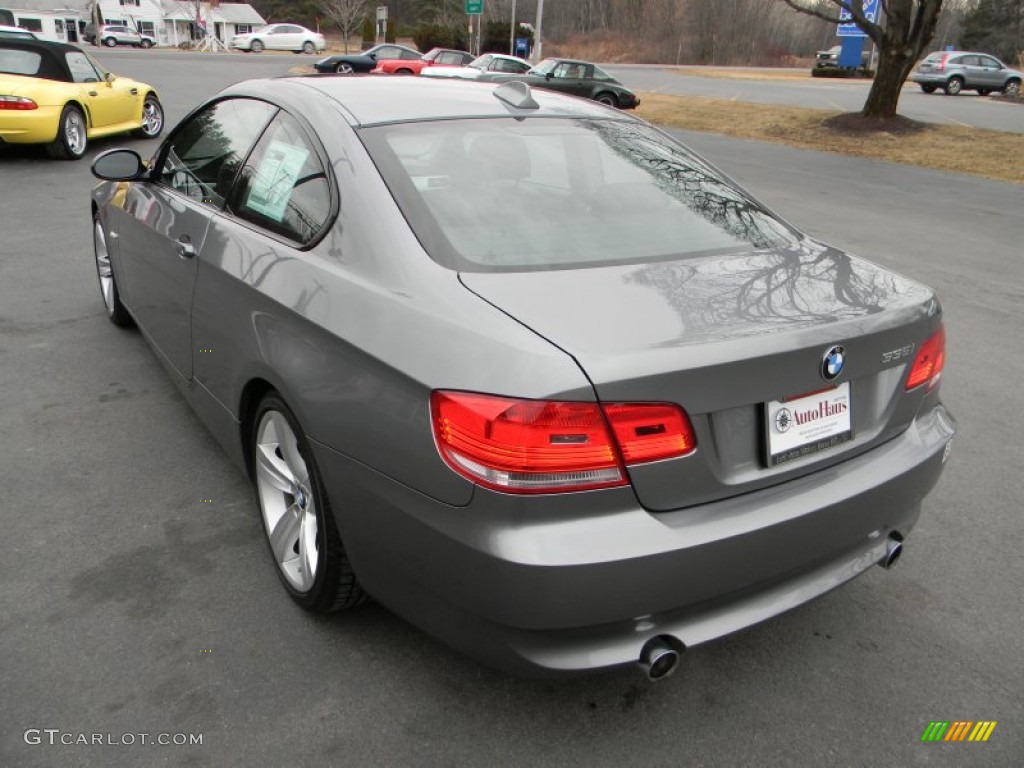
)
(522, 46)
(848, 28)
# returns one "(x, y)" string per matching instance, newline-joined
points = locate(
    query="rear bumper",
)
(927, 78)
(36, 126)
(580, 582)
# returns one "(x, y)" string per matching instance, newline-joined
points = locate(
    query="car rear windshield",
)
(18, 62)
(552, 193)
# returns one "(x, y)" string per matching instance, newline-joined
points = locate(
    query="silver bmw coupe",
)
(522, 367)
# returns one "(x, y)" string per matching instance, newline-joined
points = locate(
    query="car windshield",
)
(481, 62)
(548, 65)
(551, 193)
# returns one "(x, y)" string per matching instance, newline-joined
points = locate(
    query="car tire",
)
(344, 68)
(928, 88)
(953, 86)
(117, 313)
(256, 46)
(146, 44)
(152, 118)
(71, 141)
(297, 517)
(308, 48)
(110, 42)
(607, 99)
(1012, 88)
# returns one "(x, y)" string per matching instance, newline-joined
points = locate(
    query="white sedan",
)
(489, 63)
(280, 37)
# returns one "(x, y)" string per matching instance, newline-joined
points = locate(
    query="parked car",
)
(112, 35)
(496, 63)
(830, 58)
(435, 57)
(280, 37)
(56, 94)
(954, 71)
(358, 63)
(16, 33)
(529, 372)
(579, 78)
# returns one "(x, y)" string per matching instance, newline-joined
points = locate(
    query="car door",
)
(110, 100)
(990, 73)
(287, 37)
(165, 220)
(567, 77)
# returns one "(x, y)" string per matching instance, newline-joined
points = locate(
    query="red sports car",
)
(435, 57)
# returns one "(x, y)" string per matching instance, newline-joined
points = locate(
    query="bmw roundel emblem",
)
(832, 363)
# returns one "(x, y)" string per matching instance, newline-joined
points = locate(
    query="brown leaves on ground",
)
(991, 154)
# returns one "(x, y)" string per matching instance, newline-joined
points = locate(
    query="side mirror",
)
(110, 77)
(119, 165)
(549, 75)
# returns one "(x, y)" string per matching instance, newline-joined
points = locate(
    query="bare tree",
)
(347, 14)
(909, 28)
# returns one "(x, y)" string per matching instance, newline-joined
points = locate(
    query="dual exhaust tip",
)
(659, 657)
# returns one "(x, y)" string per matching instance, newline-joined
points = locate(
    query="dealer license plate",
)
(804, 425)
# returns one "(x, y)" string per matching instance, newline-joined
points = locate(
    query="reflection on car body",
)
(545, 434)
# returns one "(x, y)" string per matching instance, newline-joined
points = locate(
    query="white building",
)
(52, 19)
(222, 21)
(169, 22)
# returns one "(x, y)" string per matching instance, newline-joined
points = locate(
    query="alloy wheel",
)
(103, 269)
(287, 501)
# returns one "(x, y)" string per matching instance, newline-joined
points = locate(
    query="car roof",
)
(370, 100)
(53, 65)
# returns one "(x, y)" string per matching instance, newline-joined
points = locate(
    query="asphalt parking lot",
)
(138, 596)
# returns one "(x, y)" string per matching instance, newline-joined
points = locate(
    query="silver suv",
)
(111, 35)
(953, 71)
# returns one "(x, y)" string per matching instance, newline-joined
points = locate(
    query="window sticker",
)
(271, 189)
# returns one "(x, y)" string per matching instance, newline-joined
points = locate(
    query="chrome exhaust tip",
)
(893, 550)
(658, 659)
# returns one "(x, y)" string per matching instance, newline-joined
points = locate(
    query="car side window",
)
(81, 68)
(203, 156)
(283, 187)
(403, 54)
(989, 62)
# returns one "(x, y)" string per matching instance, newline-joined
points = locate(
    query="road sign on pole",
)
(474, 7)
(848, 28)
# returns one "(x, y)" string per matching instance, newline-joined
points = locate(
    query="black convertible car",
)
(577, 78)
(351, 63)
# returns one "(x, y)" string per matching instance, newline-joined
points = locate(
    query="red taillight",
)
(17, 102)
(542, 446)
(941, 66)
(928, 363)
(650, 431)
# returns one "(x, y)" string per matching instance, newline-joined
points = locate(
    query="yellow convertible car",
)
(56, 94)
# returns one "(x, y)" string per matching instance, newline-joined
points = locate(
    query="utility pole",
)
(512, 34)
(538, 43)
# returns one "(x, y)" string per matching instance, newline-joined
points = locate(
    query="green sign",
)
(474, 7)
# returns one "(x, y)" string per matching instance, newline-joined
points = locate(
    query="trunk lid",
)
(722, 336)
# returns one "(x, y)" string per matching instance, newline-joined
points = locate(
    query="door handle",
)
(185, 248)
(92, 93)
(134, 91)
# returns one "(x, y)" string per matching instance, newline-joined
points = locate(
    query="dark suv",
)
(953, 71)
